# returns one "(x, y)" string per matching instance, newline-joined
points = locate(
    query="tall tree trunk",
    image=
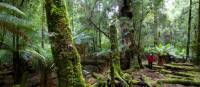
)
(43, 28)
(18, 67)
(126, 12)
(197, 60)
(189, 29)
(139, 40)
(115, 56)
(66, 57)
(99, 35)
(156, 41)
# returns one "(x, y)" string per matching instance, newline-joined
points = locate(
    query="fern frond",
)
(10, 9)
(4, 46)
(15, 25)
(6, 56)
(36, 59)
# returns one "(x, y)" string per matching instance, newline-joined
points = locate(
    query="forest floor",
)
(170, 75)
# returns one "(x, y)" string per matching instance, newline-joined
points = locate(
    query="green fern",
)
(4, 7)
(10, 20)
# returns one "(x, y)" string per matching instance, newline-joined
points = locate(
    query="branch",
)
(22, 2)
(90, 20)
(98, 28)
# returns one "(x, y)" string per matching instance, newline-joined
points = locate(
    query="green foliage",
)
(166, 49)
(159, 49)
(4, 7)
(10, 20)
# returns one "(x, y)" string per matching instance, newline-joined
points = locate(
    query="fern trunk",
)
(66, 57)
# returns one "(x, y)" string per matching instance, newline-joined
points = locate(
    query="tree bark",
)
(156, 38)
(189, 29)
(139, 40)
(115, 56)
(198, 40)
(43, 28)
(127, 34)
(66, 57)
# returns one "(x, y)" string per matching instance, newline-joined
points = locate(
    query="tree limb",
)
(98, 28)
(90, 20)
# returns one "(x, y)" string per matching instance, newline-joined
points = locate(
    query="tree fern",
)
(10, 20)
(15, 25)
(4, 7)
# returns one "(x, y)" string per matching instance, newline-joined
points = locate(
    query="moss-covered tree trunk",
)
(139, 40)
(66, 57)
(115, 56)
(115, 69)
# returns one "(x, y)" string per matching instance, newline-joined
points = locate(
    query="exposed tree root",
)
(121, 80)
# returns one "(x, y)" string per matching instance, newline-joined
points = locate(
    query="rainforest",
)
(99, 43)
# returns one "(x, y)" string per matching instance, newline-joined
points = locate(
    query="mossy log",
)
(177, 73)
(179, 77)
(186, 68)
(180, 81)
(182, 64)
(183, 74)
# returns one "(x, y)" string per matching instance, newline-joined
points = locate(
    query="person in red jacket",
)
(150, 59)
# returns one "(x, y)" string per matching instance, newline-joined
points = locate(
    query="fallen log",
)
(182, 64)
(177, 73)
(180, 81)
(185, 68)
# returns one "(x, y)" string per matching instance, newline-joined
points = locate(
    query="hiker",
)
(150, 59)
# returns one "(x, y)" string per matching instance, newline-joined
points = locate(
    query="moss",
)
(182, 64)
(66, 57)
(183, 74)
(178, 77)
(180, 81)
(135, 82)
(187, 68)
(148, 81)
(115, 71)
